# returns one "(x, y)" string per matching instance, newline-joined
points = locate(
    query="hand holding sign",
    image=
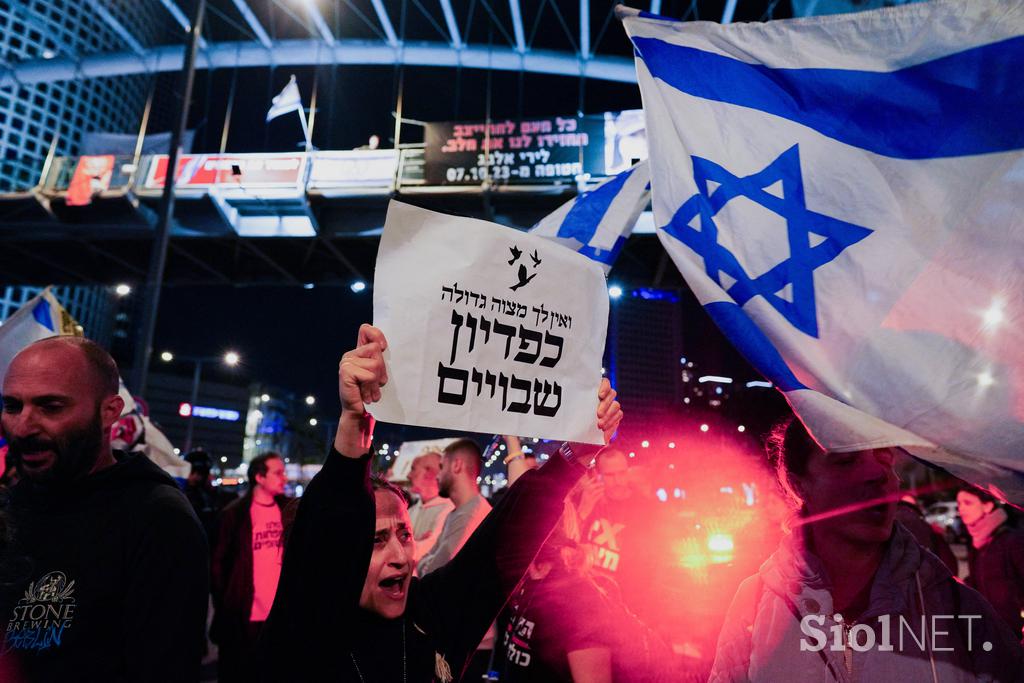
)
(361, 374)
(609, 412)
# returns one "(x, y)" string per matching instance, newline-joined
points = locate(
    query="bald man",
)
(106, 576)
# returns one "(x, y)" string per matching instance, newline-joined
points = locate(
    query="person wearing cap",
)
(204, 498)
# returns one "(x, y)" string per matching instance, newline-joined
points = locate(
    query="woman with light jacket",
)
(850, 595)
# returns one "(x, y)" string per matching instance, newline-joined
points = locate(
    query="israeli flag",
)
(39, 318)
(845, 196)
(597, 223)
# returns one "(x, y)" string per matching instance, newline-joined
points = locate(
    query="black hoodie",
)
(106, 579)
(317, 632)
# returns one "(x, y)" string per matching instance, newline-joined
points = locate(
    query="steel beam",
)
(585, 29)
(310, 52)
(453, 28)
(263, 256)
(517, 25)
(122, 32)
(385, 22)
(254, 23)
(199, 263)
(113, 257)
(341, 257)
(182, 20)
(729, 12)
(319, 23)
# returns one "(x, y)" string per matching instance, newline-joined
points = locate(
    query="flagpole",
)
(312, 111)
(227, 114)
(141, 138)
(158, 254)
(305, 129)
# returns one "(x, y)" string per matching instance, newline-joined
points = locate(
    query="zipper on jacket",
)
(847, 649)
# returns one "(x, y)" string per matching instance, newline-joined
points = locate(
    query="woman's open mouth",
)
(394, 586)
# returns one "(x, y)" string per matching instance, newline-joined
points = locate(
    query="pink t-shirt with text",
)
(266, 557)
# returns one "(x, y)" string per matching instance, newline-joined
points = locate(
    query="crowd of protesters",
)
(108, 568)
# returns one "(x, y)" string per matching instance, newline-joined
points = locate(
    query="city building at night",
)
(60, 113)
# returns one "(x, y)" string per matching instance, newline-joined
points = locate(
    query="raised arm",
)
(361, 374)
(516, 460)
(329, 545)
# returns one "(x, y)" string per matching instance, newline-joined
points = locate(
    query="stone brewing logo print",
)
(41, 617)
(523, 274)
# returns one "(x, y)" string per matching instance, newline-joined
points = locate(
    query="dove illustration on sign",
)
(523, 274)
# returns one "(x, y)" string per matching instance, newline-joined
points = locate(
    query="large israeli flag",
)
(598, 222)
(845, 196)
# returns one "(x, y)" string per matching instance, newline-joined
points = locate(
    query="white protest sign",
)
(489, 329)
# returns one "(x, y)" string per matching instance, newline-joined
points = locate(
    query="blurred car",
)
(945, 518)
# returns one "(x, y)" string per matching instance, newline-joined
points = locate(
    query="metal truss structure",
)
(561, 37)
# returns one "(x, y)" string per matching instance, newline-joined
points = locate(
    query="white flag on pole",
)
(287, 101)
(844, 196)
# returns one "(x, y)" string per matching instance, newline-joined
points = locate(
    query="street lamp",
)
(231, 359)
(310, 400)
(123, 290)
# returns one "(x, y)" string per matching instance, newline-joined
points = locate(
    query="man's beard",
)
(444, 488)
(75, 452)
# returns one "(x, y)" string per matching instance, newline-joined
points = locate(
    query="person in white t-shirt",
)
(247, 566)
(429, 512)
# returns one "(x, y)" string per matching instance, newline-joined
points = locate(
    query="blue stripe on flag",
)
(585, 215)
(965, 103)
(604, 256)
(753, 344)
(41, 312)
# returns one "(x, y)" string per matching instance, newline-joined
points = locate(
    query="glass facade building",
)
(32, 115)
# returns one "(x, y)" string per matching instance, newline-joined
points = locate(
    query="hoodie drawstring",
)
(931, 653)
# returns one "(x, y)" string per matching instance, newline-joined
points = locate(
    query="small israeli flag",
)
(845, 196)
(39, 318)
(598, 222)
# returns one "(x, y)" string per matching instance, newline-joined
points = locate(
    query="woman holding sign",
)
(348, 607)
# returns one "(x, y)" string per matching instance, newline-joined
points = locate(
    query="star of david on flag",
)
(844, 197)
(830, 235)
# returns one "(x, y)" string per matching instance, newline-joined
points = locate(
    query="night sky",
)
(287, 336)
